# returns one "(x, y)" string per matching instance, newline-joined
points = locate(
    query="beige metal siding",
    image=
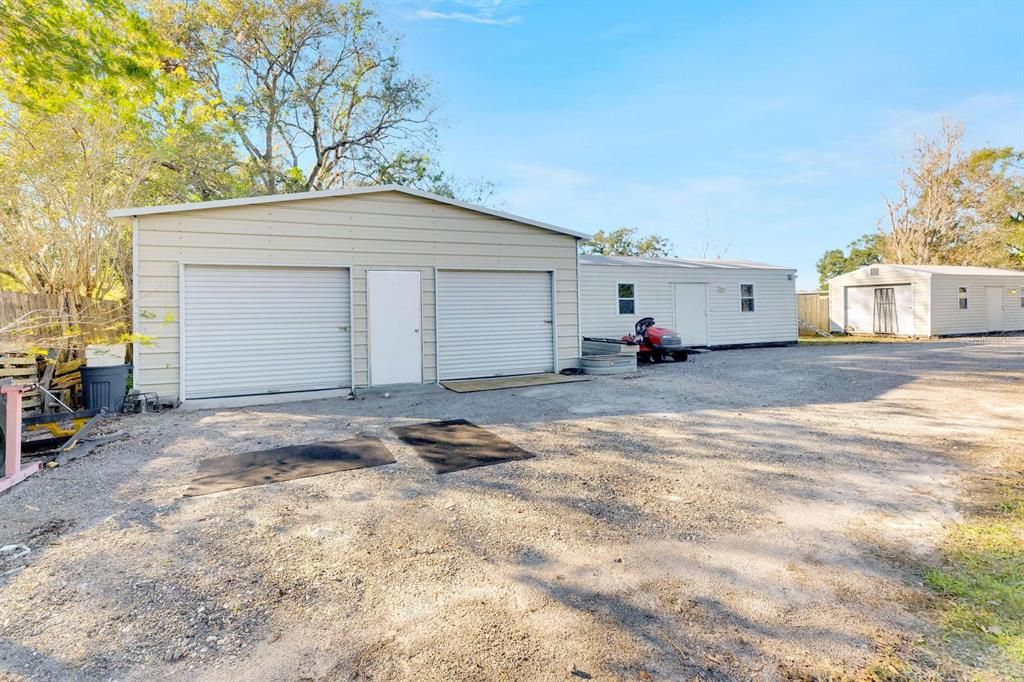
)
(773, 320)
(383, 231)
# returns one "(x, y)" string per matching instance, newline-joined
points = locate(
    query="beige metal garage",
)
(278, 297)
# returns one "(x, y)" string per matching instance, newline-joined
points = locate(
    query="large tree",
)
(953, 207)
(82, 52)
(625, 242)
(865, 250)
(957, 207)
(63, 171)
(995, 187)
(313, 88)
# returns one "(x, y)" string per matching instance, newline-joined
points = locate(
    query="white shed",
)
(712, 303)
(927, 300)
(283, 295)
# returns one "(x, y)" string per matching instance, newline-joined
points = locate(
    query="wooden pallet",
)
(22, 369)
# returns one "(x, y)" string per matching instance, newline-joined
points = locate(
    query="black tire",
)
(681, 356)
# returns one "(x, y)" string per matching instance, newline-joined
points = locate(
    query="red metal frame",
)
(14, 473)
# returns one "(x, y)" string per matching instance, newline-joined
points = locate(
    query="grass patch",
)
(982, 576)
(851, 338)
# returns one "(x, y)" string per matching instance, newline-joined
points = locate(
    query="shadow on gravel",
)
(634, 461)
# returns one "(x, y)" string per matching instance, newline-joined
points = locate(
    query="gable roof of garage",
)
(666, 262)
(945, 269)
(299, 196)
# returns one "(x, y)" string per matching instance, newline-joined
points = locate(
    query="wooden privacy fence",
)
(62, 320)
(812, 311)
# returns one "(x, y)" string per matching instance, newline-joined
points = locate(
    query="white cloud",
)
(485, 12)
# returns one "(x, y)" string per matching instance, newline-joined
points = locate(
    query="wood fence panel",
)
(59, 320)
(812, 309)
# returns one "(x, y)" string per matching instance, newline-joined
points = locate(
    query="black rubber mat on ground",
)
(286, 464)
(458, 444)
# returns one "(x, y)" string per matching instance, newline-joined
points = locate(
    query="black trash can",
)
(105, 387)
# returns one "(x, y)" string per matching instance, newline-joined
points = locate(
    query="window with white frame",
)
(747, 298)
(961, 296)
(627, 298)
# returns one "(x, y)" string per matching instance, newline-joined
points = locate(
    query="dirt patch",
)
(717, 519)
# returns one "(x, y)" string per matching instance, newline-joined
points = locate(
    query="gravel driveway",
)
(748, 514)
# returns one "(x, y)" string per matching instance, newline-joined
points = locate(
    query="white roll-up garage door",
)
(860, 309)
(494, 324)
(260, 330)
(864, 315)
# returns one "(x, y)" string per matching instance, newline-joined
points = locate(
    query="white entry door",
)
(394, 322)
(994, 307)
(692, 314)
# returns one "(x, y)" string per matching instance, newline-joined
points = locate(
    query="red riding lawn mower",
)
(656, 344)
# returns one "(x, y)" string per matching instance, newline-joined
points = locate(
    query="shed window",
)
(747, 298)
(961, 293)
(627, 299)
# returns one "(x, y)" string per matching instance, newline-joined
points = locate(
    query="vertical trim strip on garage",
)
(554, 321)
(351, 334)
(579, 315)
(181, 331)
(437, 344)
(136, 374)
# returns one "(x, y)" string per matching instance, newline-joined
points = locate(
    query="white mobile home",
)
(927, 300)
(325, 291)
(712, 303)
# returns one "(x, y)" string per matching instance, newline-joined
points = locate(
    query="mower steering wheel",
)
(643, 324)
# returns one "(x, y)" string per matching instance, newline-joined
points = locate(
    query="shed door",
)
(262, 330)
(691, 308)
(860, 307)
(885, 310)
(994, 309)
(494, 324)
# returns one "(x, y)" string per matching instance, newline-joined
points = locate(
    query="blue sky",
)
(780, 125)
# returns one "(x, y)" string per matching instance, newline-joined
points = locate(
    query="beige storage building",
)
(926, 300)
(709, 302)
(312, 294)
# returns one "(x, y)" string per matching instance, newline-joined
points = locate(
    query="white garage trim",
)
(268, 397)
(136, 365)
(439, 274)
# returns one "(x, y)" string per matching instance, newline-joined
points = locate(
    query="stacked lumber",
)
(22, 369)
(66, 383)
